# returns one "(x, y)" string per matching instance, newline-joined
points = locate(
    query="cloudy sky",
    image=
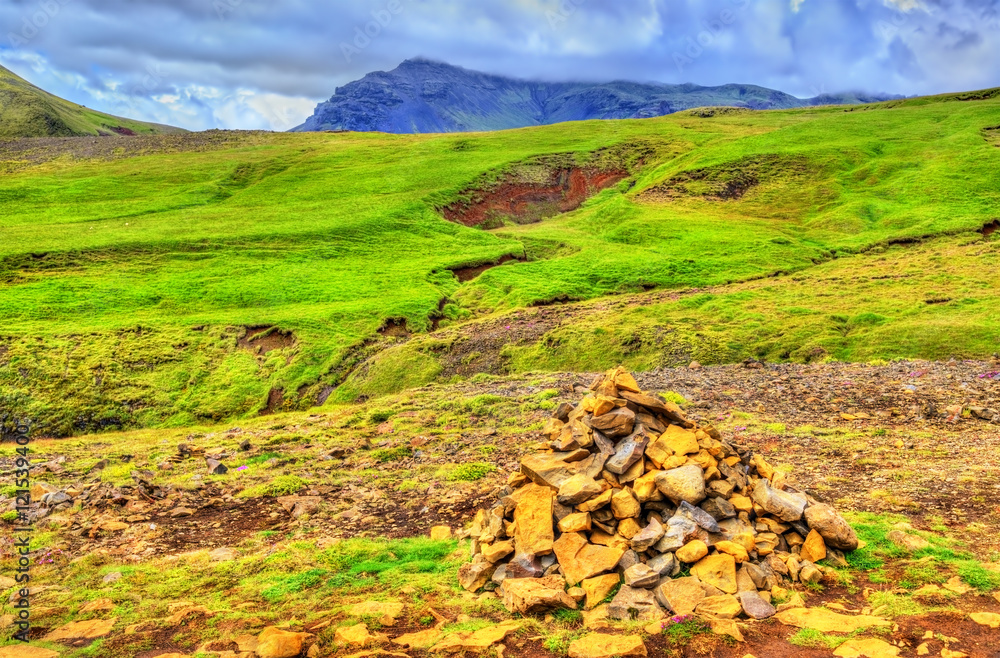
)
(266, 63)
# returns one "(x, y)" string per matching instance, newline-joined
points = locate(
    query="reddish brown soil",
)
(395, 327)
(565, 190)
(275, 398)
(265, 338)
(225, 524)
(991, 228)
(464, 274)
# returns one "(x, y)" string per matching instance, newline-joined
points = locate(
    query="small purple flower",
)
(243, 467)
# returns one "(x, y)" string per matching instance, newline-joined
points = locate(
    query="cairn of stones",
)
(630, 495)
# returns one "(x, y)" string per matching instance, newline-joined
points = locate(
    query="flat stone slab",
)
(867, 647)
(26, 651)
(600, 645)
(827, 621)
(82, 630)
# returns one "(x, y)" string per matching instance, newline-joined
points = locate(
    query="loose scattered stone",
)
(640, 575)
(82, 630)
(681, 596)
(867, 647)
(356, 635)
(536, 595)
(598, 588)
(635, 603)
(692, 551)
(722, 607)
(990, 619)
(907, 541)
(276, 643)
(26, 651)
(418, 640)
(600, 645)
(827, 621)
(754, 606)
(835, 531)
(719, 571)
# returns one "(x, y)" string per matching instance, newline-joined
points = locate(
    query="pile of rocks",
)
(628, 492)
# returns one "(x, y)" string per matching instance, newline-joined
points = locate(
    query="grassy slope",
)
(125, 283)
(27, 111)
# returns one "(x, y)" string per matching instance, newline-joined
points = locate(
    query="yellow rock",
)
(602, 538)
(596, 619)
(26, 651)
(440, 532)
(577, 522)
(629, 528)
(626, 382)
(356, 635)
(738, 551)
(794, 602)
(533, 519)
(603, 404)
(867, 647)
(600, 645)
(827, 621)
(956, 585)
(948, 653)
(813, 549)
(929, 589)
(674, 442)
(98, 605)
(624, 505)
(277, 643)
(477, 641)
(923, 650)
(719, 571)
(645, 489)
(598, 588)
(763, 468)
(990, 619)
(114, 526)
(741, 503)
(580, 559)
(596, 502)
(692, 551)
(726, 627)
(498, 551)
(722, 607)
(82, 630)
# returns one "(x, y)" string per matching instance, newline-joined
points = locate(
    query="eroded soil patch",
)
(991, 228)
(263, 339)
(524, 201)
(465, 274)
(394, 327)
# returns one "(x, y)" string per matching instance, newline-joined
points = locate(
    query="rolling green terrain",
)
(129, 282)
(27, 111)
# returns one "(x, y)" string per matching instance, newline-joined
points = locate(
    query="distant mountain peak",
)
(423, 95)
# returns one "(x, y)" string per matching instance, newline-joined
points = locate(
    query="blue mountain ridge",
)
(424, 96)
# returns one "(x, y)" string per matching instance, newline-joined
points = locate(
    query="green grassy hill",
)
(27, 111)
(233, 273)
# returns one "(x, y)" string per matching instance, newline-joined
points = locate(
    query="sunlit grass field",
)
(125, 283)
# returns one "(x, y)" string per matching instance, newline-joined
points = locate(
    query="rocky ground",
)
(911, 444)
